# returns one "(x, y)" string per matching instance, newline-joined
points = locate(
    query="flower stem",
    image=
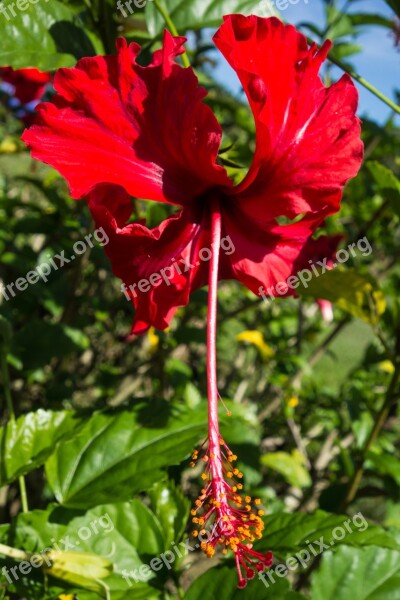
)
(212, 388)
(14, 553)
(380, 420)
(10, 407)
(164, 13)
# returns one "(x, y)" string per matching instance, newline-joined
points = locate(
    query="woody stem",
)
(212, 388)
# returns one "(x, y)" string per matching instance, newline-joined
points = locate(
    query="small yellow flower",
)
(256, 339)
(8, 146)
(293, 401)
(153, 340)
(387, 366)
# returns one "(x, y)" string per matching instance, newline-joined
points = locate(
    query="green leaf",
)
(222, 582)
(386, 181)
(118, 455)
(27, 442)
(291, 466)
(171, 508)
(290, 533)
(386, 464)
(45, 35)
(339, 23)
(370, 19)
(359, 574)
(344, 50)
(197, 14)
(127, 534)
(354, 293)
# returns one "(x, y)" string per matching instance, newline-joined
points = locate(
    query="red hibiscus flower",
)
(25, 88)
(117, 129)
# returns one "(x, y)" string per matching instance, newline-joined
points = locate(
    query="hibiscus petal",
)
(144, 128)
(160, 267)
(265, 257)
(308, 137)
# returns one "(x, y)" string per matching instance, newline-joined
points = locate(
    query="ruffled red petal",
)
(160, 267)
(308, 137)
(265, 256)
(144, 128)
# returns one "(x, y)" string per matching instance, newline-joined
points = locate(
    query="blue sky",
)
(379, 62)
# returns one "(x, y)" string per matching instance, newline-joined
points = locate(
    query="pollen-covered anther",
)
(226, 515)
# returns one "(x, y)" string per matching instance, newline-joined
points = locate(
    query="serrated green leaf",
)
(116, 456)
(289, 533)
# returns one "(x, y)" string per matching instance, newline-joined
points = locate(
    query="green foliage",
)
(197, 14)
(90, 469)
(370, 573)
(46, 36)
(353, 292)
(31, 439)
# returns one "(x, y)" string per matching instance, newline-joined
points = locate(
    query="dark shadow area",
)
(71, 39)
